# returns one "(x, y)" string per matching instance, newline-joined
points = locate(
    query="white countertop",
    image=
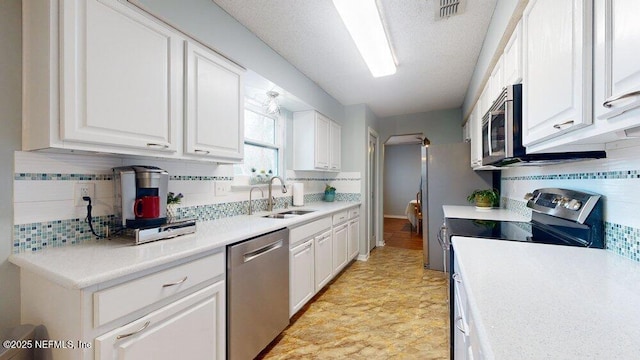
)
(471, 212)
(537, 301)
(96, 261)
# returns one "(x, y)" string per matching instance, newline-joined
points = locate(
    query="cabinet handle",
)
(164, 146)
(175, 283)
(559, 126)
(146, 325)
(456, 277)
(206, 152)
(463, 330)
(309, 245)
(609, 102)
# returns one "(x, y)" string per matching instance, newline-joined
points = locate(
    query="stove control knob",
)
(573, 204)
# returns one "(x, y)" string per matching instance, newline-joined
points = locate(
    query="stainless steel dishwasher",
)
(257, 293)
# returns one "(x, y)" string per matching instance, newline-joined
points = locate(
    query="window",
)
(262, 141)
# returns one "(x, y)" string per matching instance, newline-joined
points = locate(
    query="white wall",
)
(440, 126)
(10, 118)
(401, 177)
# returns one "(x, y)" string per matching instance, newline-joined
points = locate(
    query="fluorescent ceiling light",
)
(363, 21)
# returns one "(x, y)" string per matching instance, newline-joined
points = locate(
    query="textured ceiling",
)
(435, 58)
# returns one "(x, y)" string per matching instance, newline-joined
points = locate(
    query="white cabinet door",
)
(484, 101)
(334, 146)
(121, 77)
(512, 58)
(557, 75)
(475, 132)
(354, 238)
(496, 81)
(618, 71)
(214, 105)
(190, 328)
(323, 262)
(322, 127)
(340, 247)
(301, 268)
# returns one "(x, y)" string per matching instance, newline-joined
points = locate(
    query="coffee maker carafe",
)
(140, 196)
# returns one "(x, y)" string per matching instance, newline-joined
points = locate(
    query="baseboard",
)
(395, 217)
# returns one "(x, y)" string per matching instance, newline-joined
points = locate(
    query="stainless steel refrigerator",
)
(447, 179)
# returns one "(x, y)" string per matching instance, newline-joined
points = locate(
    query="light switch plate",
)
(222, 188)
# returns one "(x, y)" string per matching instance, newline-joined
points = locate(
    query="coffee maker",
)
(140, 196)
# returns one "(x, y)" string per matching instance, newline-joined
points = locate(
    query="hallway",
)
(388, 307)
(398, 233)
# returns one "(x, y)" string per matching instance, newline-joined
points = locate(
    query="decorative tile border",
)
(201, 178)
(38, 236)
(519, 207)
(623, 174)
(322, 179)
(76, 177)
(96, 177)
(622, 240)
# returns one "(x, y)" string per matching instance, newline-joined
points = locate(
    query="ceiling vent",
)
(448, 8)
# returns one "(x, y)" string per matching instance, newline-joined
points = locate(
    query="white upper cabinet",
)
(316, 142)
(475, 131)
(496, 81)
(557, 71)
(214, 105)
(106, 78)
(512, 58)
(617, 86)
(103, 76)
(334, 144)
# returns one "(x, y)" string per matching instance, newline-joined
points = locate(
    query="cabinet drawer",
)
(303, 232)
(353, 213)
(117, 301)
(340, 217)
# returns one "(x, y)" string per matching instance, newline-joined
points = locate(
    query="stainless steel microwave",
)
(502, 136)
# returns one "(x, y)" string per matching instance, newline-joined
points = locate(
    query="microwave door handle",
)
(489, 135)
(508, 129)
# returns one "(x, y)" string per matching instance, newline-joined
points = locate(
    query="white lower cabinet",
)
(323, 260)
(301, 275)
(186, 329)
(175, 312)
(354, 238)
(340, 241)
(465, 339)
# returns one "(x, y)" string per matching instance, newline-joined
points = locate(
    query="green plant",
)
(329, 188)
(173, 198)
(491, 197)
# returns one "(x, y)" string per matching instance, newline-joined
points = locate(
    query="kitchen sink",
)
(288, 214)
(297, 212)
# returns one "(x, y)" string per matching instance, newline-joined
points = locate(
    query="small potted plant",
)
(484, 199)
(329, 193)
(172, 205)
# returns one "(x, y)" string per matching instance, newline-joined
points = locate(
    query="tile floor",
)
(388, 307)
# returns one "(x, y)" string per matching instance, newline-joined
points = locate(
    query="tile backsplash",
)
(45, 213)
(617, 178)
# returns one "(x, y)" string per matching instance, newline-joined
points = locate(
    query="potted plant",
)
(329, 193)
(172, 205)
(484, 199)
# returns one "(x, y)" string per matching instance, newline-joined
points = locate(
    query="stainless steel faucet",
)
(284, 190)
(251, 192)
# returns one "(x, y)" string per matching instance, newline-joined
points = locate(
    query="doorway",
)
(372, 191)
(401, 174)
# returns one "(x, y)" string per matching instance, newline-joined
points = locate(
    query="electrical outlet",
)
(222, 188)
(83, 189)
